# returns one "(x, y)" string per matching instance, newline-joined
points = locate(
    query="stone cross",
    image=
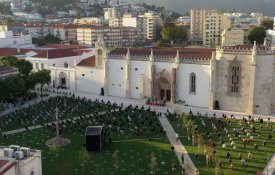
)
(57, 122)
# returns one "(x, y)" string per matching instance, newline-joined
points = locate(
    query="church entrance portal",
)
(163, 89)
(62, 80)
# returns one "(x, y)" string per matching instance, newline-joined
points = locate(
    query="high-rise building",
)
(197, 23)
(149, 26)
(114, 36)
(213, 26)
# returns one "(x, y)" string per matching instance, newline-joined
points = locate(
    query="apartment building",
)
(115, 22)
(232, 37)
(197, 19)
(213, 26)
(110, 13)
(149, 26)
(114, 36)
(66, 32)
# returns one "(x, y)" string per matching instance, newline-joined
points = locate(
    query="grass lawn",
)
(135, 148)
(259, 159)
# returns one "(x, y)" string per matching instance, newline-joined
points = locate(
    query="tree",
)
(116, 161)
(42, 77)
(5, 8)
(180, 34)
(153, 164)
(267, 23)
(24, 66)
(84, 157)
(8, 61)
(257, 34)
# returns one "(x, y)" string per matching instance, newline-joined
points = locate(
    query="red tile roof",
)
(8, 51)
(88, 62)
(62, 46)
(5, 162)
(167, 52)
(7, 70)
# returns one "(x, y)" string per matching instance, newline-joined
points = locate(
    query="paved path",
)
(50, 123)
(270, 167)
(32, 102)
(179, 148)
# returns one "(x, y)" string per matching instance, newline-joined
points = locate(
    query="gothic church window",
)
(66, 65)
(192, 83)
(234, 78)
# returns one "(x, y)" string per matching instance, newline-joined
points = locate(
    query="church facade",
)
(235, 78)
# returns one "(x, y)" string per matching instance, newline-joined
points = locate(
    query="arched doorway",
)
(162, 89)
(62, 80)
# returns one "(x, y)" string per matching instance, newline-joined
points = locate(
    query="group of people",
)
(155, 102)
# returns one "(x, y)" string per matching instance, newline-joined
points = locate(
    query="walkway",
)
(31, 102)
(179, 148)
(50, 123)
(270, 167)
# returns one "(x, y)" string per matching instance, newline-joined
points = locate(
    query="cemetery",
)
(224, 144)
(134, 141)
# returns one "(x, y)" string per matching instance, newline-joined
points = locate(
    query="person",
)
(249, 155)
(163, 163)
(177, 137)
(228, 155)
(264, 143)
(232, 166)
(173, 167)
(182, 158)
(240, 156)
(242, 161)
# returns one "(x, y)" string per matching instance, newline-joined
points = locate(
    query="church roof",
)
(62, 46)
(88, 62)
(167, 52)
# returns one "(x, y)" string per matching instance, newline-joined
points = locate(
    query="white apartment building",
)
(213, 26)
(184, 20)
(110, 13)
(128, 20)
(114, 36)
(232, 37)
(16, 160)
(115, 22)
(197, 19)
(7, 39)
(88, 20)
(244, 20)
(149, 26)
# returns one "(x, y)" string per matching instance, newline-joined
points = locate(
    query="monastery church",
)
(233, 78)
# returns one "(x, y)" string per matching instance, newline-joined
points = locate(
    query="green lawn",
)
(256, 164)
(135, 148)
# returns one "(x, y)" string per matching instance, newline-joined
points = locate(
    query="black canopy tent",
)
(94, 138)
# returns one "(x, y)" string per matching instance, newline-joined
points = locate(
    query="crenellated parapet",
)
(246, 49)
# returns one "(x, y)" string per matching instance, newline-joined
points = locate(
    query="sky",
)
(267, 7)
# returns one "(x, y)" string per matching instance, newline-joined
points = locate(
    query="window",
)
(192, 82)
(136, 69)
(42, 66)
(36, 66)
(234, 78)
(121, 68)
(66, 65)
(83, 75)
(136, 87)
(53, 65)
